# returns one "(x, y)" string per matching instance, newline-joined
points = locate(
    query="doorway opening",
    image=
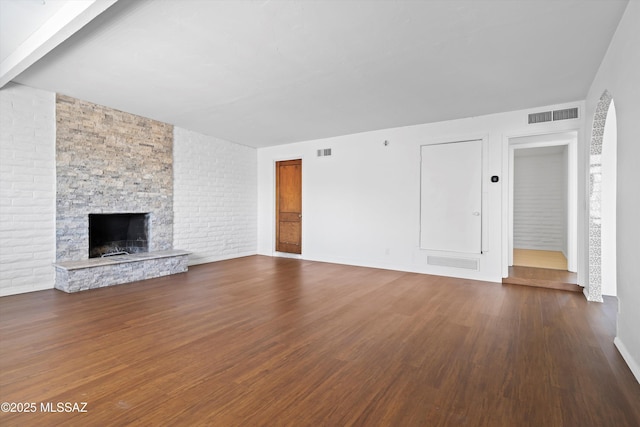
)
(542, 234)
(602, 201)
(608, 203)
(540, 191)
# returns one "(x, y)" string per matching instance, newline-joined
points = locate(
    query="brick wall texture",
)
(62, 159)
(539, 203)
(109, 161)
(215, 201)
(27, 189)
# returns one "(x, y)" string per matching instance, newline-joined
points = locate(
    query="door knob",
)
(476, 213)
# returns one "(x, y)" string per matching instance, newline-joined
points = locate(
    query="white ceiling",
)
(19, 19)
(264, 73)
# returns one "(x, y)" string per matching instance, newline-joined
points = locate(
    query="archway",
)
(594, 289)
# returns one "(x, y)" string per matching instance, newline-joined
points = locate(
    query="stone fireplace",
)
(114, 183)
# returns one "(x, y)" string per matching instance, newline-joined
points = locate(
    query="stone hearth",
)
(74, 276)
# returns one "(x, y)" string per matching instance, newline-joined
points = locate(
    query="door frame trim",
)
(572, 192)
(485, 217)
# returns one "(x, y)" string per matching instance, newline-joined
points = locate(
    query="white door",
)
(451, 197)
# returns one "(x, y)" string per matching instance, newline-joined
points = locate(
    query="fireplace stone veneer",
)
(110, 162)
(74, 276)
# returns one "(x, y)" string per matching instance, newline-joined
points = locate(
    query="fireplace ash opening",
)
(118, 234)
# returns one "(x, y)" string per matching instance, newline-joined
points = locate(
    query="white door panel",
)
(451, 197)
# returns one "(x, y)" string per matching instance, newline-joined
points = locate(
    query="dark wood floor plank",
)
(276, 341)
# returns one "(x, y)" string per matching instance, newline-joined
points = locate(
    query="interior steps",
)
(543, 278)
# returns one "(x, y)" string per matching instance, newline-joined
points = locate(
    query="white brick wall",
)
(27, 189)
(215, 197)
(539, 202)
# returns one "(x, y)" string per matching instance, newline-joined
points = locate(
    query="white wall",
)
(608, 204)
(27, 189)
(215, 197)
(567, 201)
(619, 73)
(361, 205)
(540, 205)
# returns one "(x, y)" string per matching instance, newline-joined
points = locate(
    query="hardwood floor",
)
(285, 342)
(539, 259)
(542, 269)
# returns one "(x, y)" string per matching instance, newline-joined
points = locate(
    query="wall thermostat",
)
(495, 178)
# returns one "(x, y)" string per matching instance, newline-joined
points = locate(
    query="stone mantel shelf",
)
(118, 259)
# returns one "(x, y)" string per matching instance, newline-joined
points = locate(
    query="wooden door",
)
(289, 206)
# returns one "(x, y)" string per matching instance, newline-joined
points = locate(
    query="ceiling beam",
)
(68, 20)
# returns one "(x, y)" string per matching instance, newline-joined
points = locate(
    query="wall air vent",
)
(568, 113)
(468, 263)
(323, 152)
(545, 116)
(548, 116)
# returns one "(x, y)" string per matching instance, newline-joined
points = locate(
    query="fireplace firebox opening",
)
(118, 234)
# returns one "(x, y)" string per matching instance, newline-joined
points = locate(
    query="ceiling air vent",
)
(323, 152)
(545, 116)
(568, 113)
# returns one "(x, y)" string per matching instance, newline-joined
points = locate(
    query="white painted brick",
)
(17, 161)
(44, 179)
(19, 176)
(15, 272)
(539, 202)
(44, 271)
(25, 281)
(215, 197)
(31, 202)
(27, 189)
(13, 257)
(25, 265)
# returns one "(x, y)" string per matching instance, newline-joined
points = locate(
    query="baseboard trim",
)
(427, 269)
(208, 259)
(17, 290)
(631, 362)
(287, 255)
